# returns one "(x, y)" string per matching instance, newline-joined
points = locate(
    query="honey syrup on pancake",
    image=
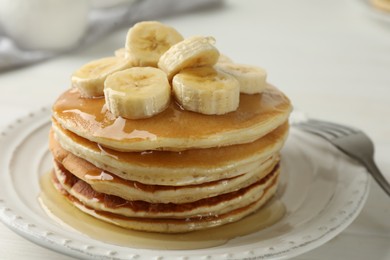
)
(57, 206)
(210, 157)
(93, 116)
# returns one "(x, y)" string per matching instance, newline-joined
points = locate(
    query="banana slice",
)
(206, 90)
(147, 41)
(120, 53)
(138, 92)
(224, 59)
(252, 79)
(196, 51)
(89, 79)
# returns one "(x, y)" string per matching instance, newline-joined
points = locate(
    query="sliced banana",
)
(120, 53)
(147, 41)
(138, 92)
(252, 79)
(224, 59)
(196, 51)
(89, 79)
(206, 90)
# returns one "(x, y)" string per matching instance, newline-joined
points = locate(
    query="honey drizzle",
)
(91, 116)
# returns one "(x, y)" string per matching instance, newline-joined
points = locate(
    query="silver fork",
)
(351, 141)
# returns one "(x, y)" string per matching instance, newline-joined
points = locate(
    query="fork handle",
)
(377, 175)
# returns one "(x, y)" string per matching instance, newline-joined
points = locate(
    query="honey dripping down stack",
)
(168, 135)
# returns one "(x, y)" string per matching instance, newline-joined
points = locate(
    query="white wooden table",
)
(332, 58)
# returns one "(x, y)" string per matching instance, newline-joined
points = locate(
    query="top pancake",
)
(174, 129)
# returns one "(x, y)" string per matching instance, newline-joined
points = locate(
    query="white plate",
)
(322, 189)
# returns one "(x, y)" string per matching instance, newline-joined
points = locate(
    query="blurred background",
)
(332, 58)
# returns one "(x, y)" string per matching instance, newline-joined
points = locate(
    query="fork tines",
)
(327, 129)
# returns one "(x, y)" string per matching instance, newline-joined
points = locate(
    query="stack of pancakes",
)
(175, 172)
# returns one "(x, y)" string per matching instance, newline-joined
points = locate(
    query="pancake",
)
(176, 168)
(174, 129)
(219, 204)
(106, 182)
(166, 224)
(172, 148)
